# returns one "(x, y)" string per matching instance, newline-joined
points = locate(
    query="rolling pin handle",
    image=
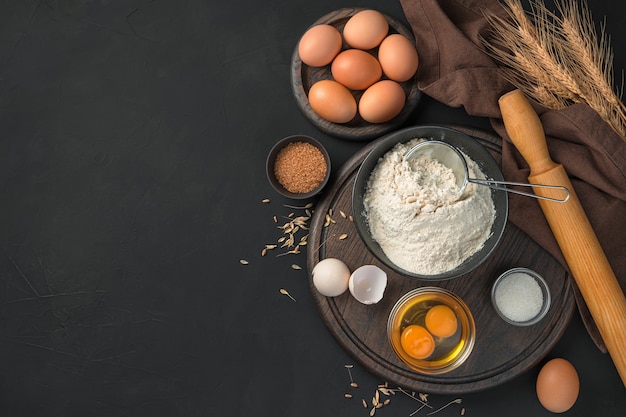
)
(525, 130)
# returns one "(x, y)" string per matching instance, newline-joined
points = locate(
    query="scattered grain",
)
(296, 266)
(266, 200)
(243, 262)
(343, 236)
(284, 292)
(347, 395)
(457, 401)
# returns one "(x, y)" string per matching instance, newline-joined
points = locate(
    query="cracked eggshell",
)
(330, 277)
(367, 284)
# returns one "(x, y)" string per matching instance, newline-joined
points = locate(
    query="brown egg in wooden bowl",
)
(298, 167)
(329, 91)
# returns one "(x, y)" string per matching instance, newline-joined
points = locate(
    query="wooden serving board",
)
(501, 352)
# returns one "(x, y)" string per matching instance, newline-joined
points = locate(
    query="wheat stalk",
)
(557, 60)
(593, 58)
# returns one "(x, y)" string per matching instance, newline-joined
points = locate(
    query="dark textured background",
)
(133, 137)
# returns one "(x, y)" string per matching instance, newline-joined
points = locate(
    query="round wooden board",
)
(501, 352)
(304, 76)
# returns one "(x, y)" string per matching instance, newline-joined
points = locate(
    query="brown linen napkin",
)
(454, 69)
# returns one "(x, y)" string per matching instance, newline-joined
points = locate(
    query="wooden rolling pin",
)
(569, 223)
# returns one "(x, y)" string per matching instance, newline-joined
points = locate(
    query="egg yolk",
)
(441, 321)
(417, 342)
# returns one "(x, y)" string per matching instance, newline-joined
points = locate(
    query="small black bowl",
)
(464, 143)
(271, 158)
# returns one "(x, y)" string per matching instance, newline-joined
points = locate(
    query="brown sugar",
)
(300, 167)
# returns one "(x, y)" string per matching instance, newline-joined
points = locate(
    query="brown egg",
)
(366, 29)
(382, 101)
(332, 101)
(319, 45)
(356, 69)
(558, 385)
(398, 57)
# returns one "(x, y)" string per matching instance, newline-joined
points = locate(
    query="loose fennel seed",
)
(284, 292)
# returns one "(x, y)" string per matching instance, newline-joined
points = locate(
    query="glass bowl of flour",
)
(411, 217)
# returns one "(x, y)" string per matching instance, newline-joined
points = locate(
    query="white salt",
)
(519, 297)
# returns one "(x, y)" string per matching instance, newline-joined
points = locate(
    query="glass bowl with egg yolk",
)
(431, 330)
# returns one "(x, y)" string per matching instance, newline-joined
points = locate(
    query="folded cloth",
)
(456, 70)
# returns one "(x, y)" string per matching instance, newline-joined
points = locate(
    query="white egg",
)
(330, 277)
(367, 284)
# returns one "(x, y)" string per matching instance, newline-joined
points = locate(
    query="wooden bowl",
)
(271, 158)
(304, 76)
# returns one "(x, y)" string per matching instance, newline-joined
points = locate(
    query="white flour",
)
(417, 217)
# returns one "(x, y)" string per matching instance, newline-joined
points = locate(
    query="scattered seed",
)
(463, 411)
(296, 266)
(284, 292)
(372, 411)
(343, 236)
(423, 397)
(264, 252)
(267, 200)
(342, 214)
(418, 410)
(351, 218)
(364, 403)
(414, 397)
(275, 219)
(387, 401)
(457, 401)
(347, 395)
(327, 221)
(352, 383)
(308, 206)
(243, 262)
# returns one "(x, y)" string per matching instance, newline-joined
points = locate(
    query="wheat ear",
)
(557, 59)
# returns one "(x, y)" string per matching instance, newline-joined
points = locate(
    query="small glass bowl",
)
(271, 158)
(450, 352)
(545, 293)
